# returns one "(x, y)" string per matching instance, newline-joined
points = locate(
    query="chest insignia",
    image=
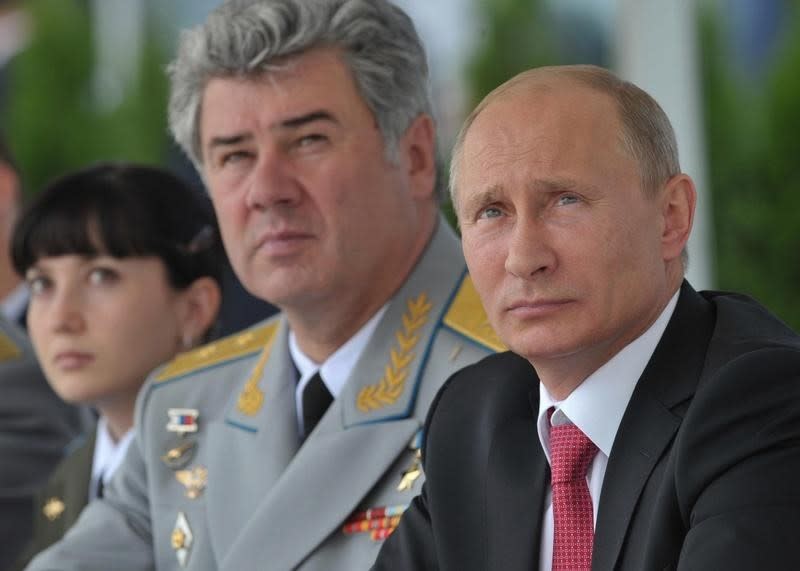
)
(379, 522)
(412, 474)
(182, 420)
(194, 480)
(181, 539)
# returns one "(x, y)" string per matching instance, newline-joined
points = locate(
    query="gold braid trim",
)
(229, 348)
(386, 391)
(252, 397)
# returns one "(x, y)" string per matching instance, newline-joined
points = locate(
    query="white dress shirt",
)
(597, 407)
(336, 369)
(108, 455)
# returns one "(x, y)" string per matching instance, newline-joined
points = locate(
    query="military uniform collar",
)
(336, 369)
(392, 365)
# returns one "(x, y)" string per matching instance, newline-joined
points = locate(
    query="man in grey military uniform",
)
(310, 122)
(35, 427)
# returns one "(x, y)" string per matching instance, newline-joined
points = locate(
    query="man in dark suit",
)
(637, 424)
(35, 426)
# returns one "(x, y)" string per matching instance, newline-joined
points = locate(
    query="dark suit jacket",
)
(704, 472)
(68, 485)
(35, 427)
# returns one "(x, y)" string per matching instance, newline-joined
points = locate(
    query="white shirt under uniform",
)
(108, 455)
(336, 369)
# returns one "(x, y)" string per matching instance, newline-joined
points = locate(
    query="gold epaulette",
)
(227, 349)
(8, 349)
(467, 316)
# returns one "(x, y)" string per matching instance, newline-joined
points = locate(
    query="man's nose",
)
(530, 252)
(274, 182)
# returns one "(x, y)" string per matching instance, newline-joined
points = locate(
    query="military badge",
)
(379, 522)
(193, 480)
(181, 539)
(409, 476)
(180, 455)
(182, 420)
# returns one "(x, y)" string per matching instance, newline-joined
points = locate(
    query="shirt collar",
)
(108, 455)
(597, 405)
(336, 369)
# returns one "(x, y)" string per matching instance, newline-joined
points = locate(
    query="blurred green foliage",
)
(754, 171)
(53, 121)
(515, 36)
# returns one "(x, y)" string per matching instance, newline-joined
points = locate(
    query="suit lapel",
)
(251, 450)
(517, 479)
(651, 421)
(319, 489)
(648, 432)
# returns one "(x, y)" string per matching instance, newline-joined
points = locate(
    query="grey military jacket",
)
(242, 491)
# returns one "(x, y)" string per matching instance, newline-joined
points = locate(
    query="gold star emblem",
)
(408, 477)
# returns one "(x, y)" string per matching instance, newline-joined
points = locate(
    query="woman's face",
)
(100, 324)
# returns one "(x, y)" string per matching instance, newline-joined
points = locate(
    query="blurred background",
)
(83, 80)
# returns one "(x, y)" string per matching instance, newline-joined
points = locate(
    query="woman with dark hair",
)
(124, 267)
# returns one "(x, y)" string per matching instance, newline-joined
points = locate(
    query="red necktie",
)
(571, 452)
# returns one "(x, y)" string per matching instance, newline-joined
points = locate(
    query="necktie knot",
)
(571, 452)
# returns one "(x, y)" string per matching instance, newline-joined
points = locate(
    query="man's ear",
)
(201, 302)
(678, 200)
(418, 155)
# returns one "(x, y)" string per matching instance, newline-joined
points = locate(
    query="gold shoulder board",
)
(467, 316)
(226, 349)
(8, 349)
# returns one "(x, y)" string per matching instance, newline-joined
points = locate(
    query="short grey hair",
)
(248, 38)
(647, 133)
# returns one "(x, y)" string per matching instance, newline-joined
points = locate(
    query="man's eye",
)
(312, 139)
(566, 199)
(234, 157)
(490, 212)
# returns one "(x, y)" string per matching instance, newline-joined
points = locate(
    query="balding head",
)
(645, 132)
(572, 218)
